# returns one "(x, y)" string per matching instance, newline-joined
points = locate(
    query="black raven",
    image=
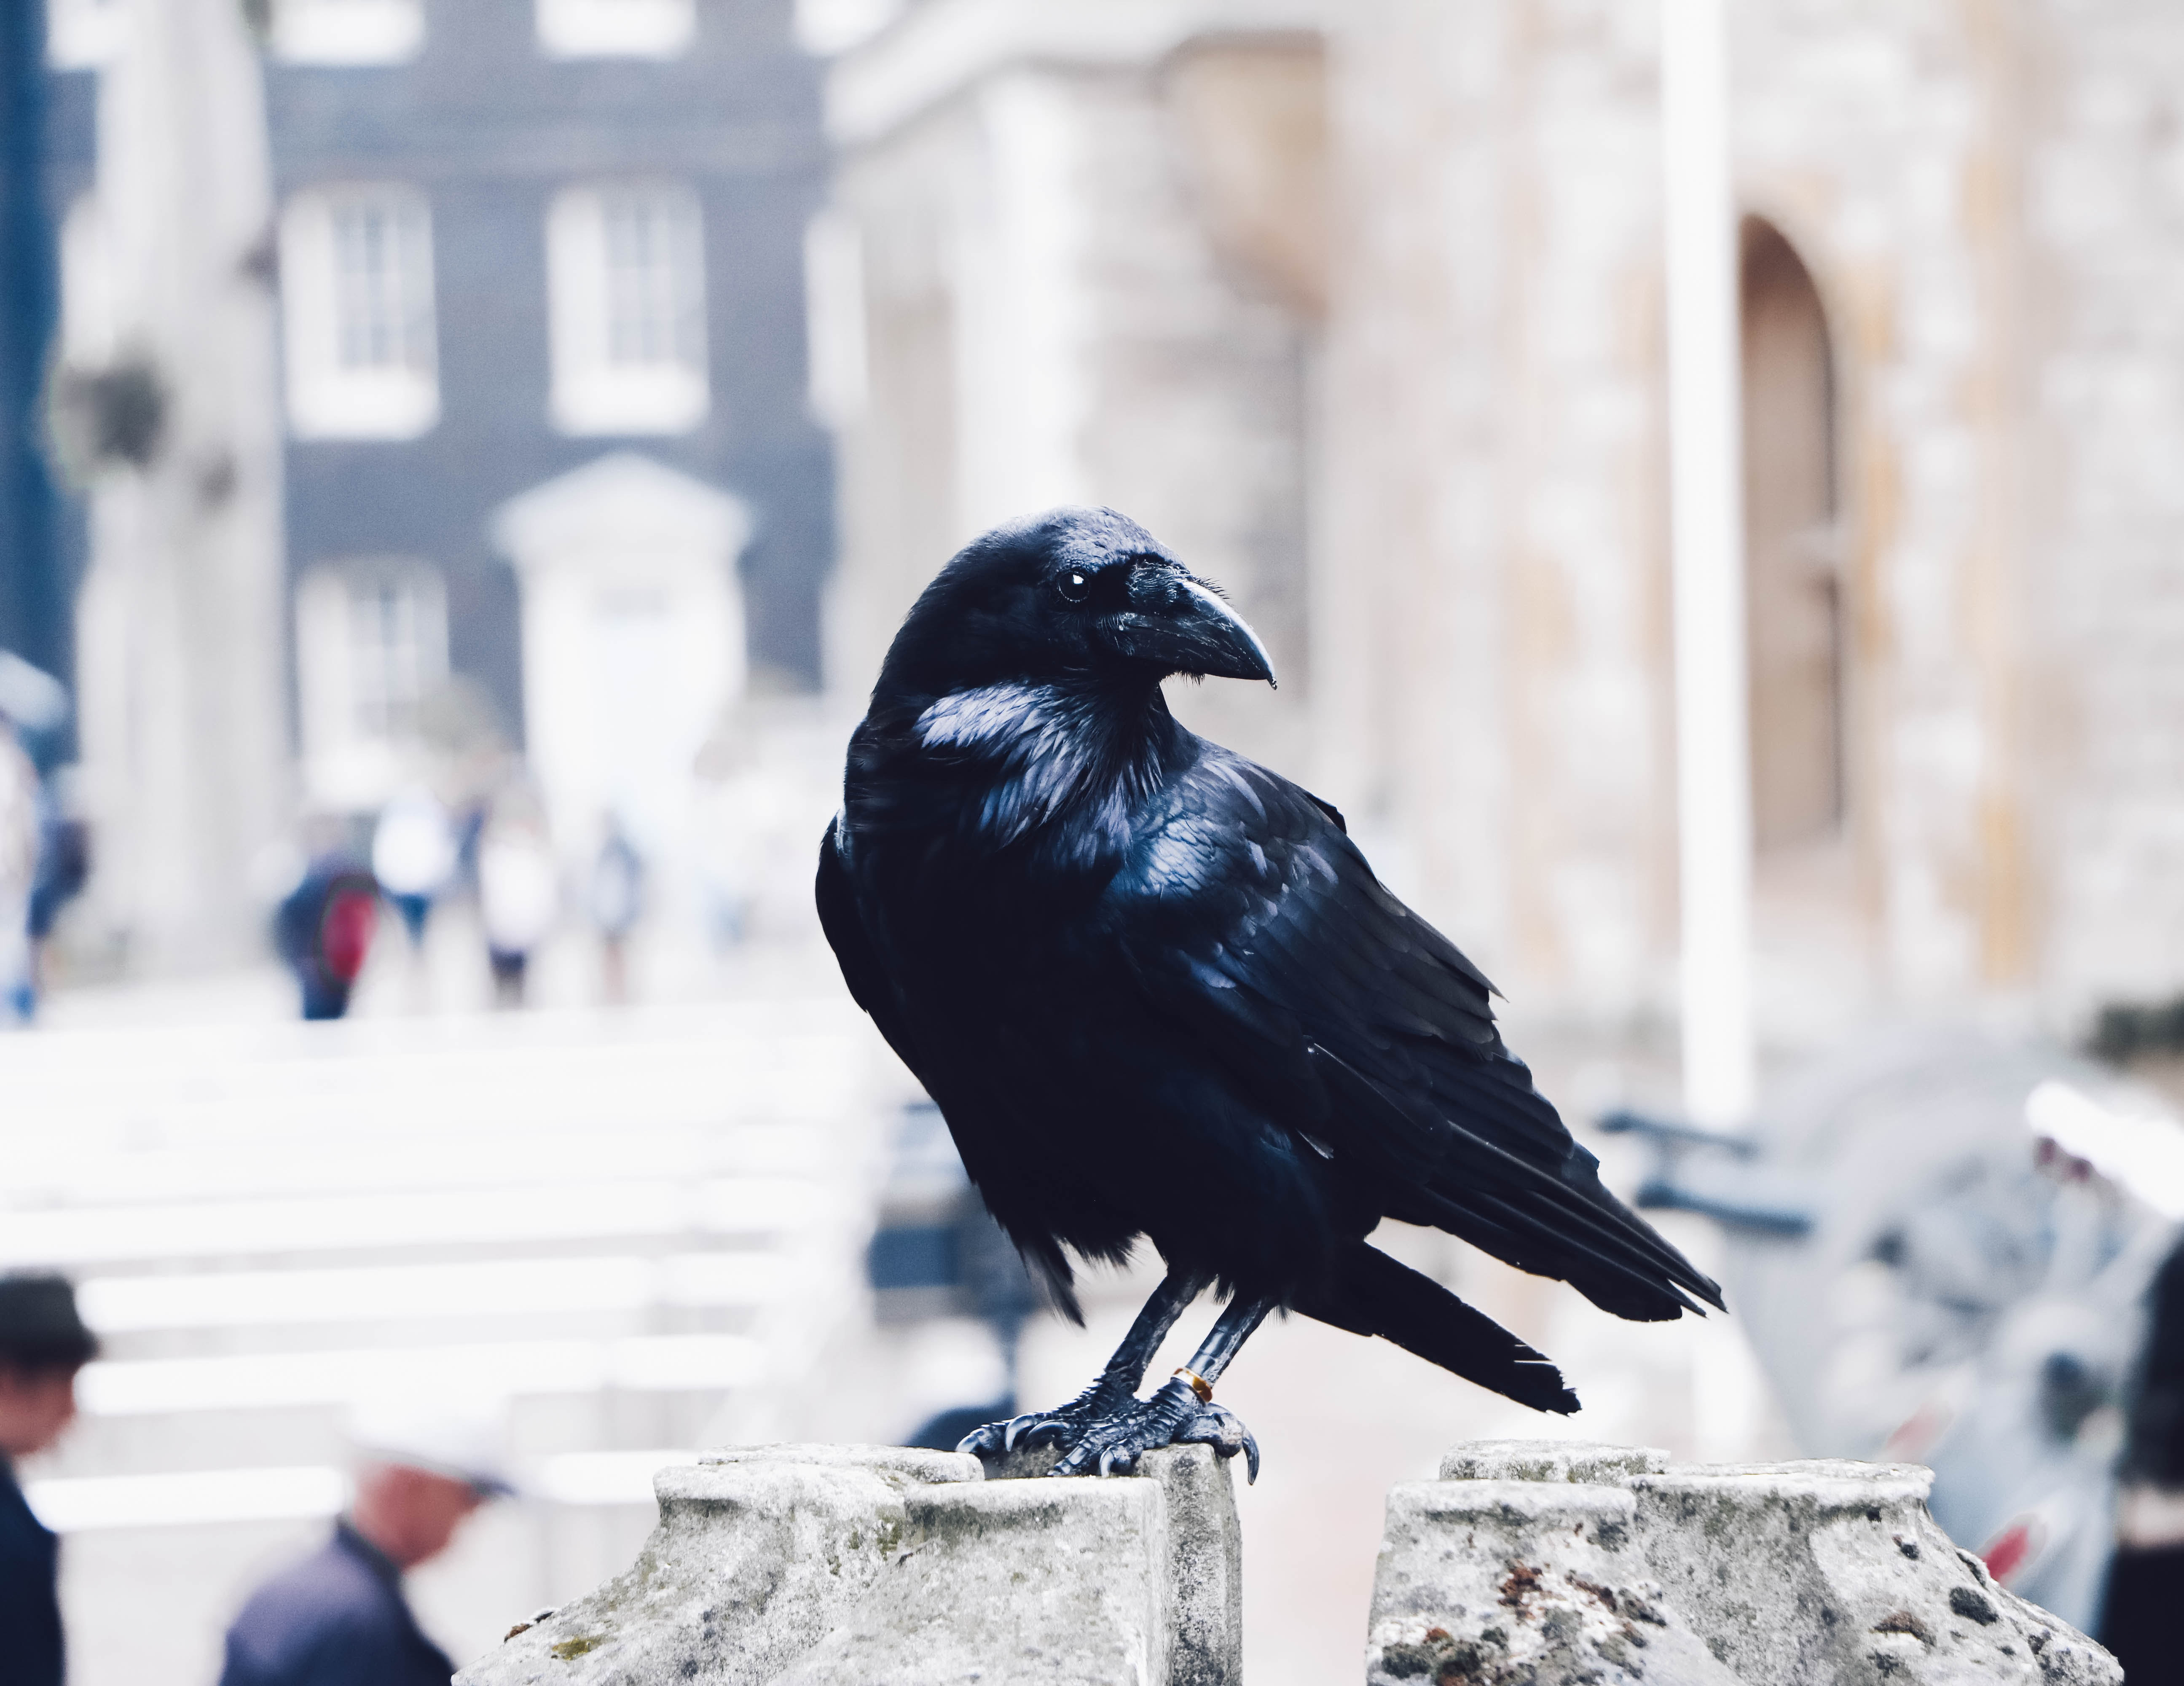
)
(1157, 990)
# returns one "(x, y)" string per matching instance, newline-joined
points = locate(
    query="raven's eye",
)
(1075, 586)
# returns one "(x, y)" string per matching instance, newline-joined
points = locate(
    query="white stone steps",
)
(297, 1492)
(111, 1387)
(635, 1226)
(315, 1161)
(79, 1236)
(495, 1287)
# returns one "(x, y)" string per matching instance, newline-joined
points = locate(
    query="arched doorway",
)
(1793, 581)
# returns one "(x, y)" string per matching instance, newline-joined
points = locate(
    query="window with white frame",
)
(347, 31)
(825, 28)
(90, 315)
(615, 29)
(356, 293)
(626, 286)
(82, 34)
(834, 318)
(371, 646)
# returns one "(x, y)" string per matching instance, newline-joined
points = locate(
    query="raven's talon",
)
(1221, 1429)
(1049, 1428)
(1063, 1427)
(1018, 1428)
(987, 1441)
(1172, 1417)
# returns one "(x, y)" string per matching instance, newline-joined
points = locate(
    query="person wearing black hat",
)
(43, 1342)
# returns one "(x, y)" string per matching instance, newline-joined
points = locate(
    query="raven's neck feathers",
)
(1058, 767)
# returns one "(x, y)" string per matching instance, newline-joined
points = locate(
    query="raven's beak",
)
(1187, 627)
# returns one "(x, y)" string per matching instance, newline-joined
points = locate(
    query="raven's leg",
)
(1182, 1411)
(1116, 1385)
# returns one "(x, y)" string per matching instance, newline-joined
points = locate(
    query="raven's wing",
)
(853, 949)
(867, 977)
(1245, 911)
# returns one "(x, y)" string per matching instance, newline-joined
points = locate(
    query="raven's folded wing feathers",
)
(867, 977)
(1246, 912)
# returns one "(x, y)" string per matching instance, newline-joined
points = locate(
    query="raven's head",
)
(1074, 592)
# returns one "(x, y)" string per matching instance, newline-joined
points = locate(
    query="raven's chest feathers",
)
(1006, 789)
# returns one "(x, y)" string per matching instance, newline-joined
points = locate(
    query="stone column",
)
(180, 641)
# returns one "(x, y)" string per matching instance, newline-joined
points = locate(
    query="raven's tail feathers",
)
(1371, 1294)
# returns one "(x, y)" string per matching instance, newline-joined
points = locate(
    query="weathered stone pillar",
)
(1555, 1563)
(828, 1566)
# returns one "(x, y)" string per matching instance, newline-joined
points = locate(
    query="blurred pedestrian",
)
(737, 811)
(32, 701)
(63, 869)
(19, 866)
(519, 890)
(2146, 1577)
(43, 1342)
(338, 1618)
(323, 928)
(617, 901)
(412, 856)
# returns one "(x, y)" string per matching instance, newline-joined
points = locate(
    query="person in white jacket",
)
(519, 890)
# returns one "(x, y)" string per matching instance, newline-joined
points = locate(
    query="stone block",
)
(1528, 1579)
(1205, 1565)
(857, 1566)
(1045, 1580)
(1546, 1563)
(1205, 1554)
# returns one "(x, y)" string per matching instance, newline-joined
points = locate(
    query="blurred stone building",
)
(1360, 308)
(1081, 256)
(470, 338)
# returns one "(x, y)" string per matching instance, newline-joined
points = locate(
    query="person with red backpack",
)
(323, 928)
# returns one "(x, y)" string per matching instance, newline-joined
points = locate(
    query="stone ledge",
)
(1528, 1564)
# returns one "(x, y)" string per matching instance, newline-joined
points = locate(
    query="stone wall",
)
(2102, 199)
(1443, 495)
(1493, 558)
(1989, 200)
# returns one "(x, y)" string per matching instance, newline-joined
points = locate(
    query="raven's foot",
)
(1063, 1427)
(1173, 1416)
